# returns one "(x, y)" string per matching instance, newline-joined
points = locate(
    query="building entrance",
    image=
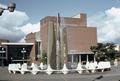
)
(17, 53)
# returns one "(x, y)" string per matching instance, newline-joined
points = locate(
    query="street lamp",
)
(2, 51)
(23, 51)
(11, 8)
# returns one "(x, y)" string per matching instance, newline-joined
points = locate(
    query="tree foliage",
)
(104, 51)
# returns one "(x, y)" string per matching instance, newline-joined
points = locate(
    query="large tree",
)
(110, 51)
(104, 51)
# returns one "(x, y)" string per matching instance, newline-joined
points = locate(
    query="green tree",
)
(104, 51)
(110, 51)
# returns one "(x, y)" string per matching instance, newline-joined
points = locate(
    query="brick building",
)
(79, 37)
(35, 39)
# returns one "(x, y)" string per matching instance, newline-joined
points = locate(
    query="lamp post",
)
(11, 7)
(23, 51)
(2, 51)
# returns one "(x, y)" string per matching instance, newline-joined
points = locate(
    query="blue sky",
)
(102, 14)
(37, 9)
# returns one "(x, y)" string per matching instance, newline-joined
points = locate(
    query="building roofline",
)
(4, 43)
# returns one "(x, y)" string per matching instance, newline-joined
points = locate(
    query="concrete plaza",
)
(113, 75)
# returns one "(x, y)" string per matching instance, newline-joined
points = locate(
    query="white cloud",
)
(28, 28)
(108, 25)
(13, 27)
(9, 25)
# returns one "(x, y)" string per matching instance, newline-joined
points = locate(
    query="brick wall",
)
(82, 22)
(81, 38)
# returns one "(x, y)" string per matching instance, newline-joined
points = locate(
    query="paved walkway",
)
(113, 75)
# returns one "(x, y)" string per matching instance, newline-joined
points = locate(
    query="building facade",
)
(12, 52)
(78, 36)
(3, 56)
(35, 39)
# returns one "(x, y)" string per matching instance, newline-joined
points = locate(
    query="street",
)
(113, 75)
